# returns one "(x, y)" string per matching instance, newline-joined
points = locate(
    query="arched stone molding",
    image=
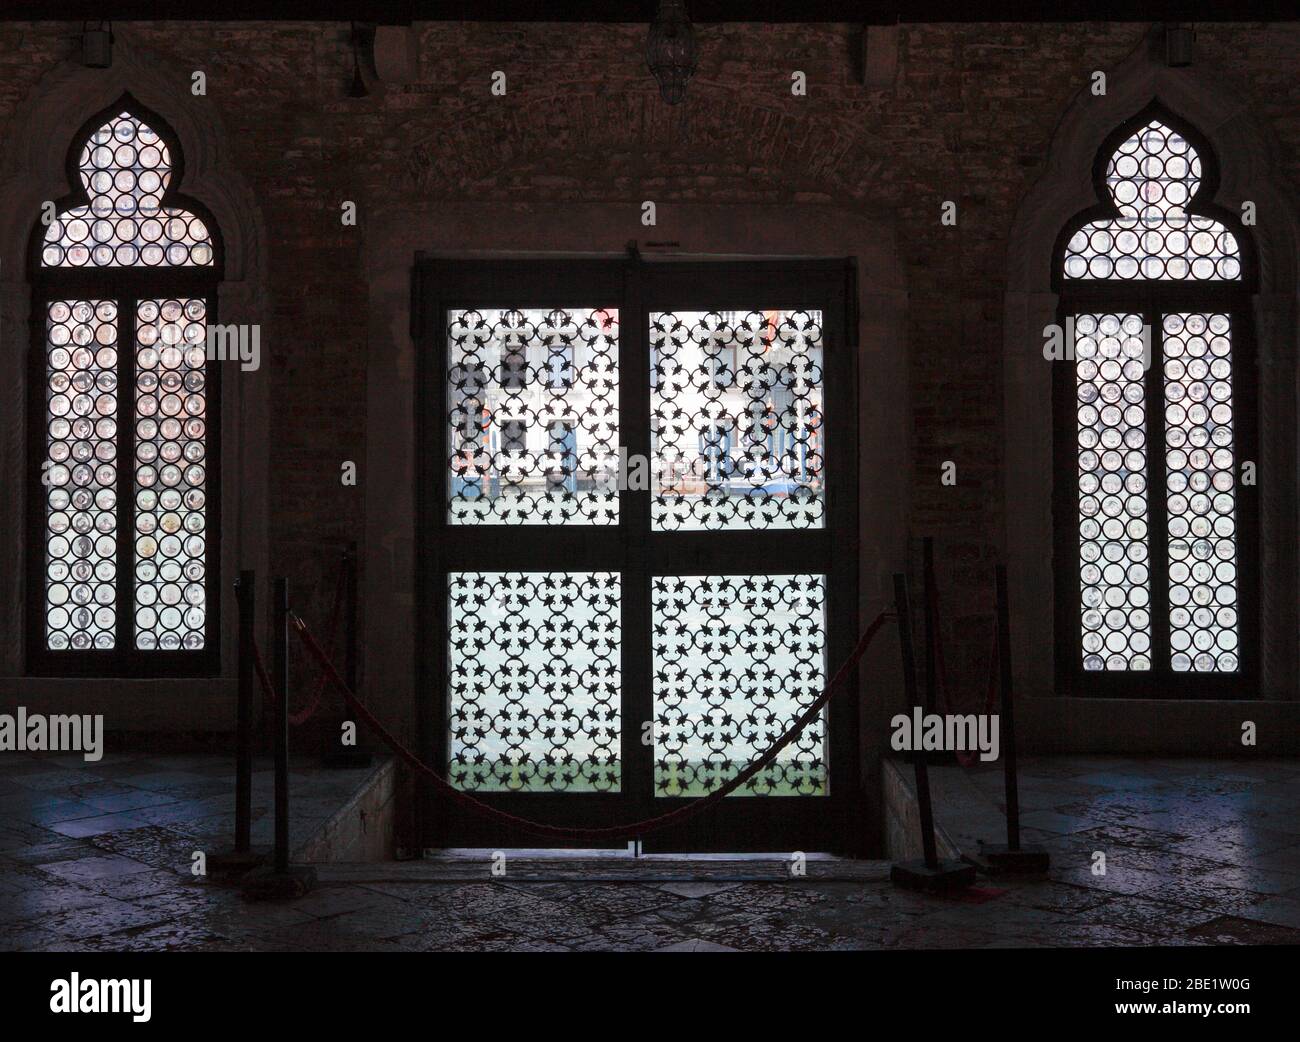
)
(704, 231)
(1248, 156)
(32, 170)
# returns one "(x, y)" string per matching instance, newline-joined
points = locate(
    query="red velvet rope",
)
(268, 689)
(609, 832)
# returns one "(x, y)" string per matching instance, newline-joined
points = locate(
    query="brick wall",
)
(969, 119)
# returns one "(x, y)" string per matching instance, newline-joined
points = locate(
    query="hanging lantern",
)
(671, 50)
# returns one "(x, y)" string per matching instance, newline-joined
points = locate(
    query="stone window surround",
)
(1248, 159)
(32, 170)
(704, 231)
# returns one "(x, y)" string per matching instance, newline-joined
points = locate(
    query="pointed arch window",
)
(124, 440)
(1154, 406)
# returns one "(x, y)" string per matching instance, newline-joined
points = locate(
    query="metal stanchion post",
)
(246, 595)
(930, 874)
(280, 678)
(920, 762)
(1013, 858)
(350, 615)
(337, 754)
(1008, 716)
(931, 625)
(242, 858)
(280, 879)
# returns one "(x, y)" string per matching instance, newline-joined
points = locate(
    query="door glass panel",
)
(514, 379)
(736, 659)
(534, 681)
(737, 408)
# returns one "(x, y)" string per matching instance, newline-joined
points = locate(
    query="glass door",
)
(638, 506)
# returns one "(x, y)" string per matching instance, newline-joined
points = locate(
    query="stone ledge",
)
(362, 829)
(903, 817)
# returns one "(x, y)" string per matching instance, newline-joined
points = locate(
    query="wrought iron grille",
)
(736, 659)
(125, 168)
(532, 398)
(534, 681)
(737, 411)
(624, 647)
(1159, 298)
(170, 474)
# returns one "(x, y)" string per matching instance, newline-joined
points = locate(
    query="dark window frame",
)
(1153, 299)
(125, 286)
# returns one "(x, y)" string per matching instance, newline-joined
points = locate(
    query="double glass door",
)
(637, 489)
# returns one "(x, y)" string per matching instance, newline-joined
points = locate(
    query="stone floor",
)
(1197, 837)
(95, 857)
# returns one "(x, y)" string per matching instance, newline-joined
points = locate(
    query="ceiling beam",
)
(861, 12)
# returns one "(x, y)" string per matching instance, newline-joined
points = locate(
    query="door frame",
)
(638, 287)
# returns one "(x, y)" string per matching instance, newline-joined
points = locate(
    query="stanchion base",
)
(997, 859)
(266, 882)
(230, 864)
(946, 877)
(342, 757)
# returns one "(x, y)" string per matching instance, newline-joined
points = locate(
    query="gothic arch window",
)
(124, 438)
(1155, 427)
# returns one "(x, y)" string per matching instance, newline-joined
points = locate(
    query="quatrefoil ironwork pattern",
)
(534, 681)
(737, 420)
(737, 658)
(533, 414)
